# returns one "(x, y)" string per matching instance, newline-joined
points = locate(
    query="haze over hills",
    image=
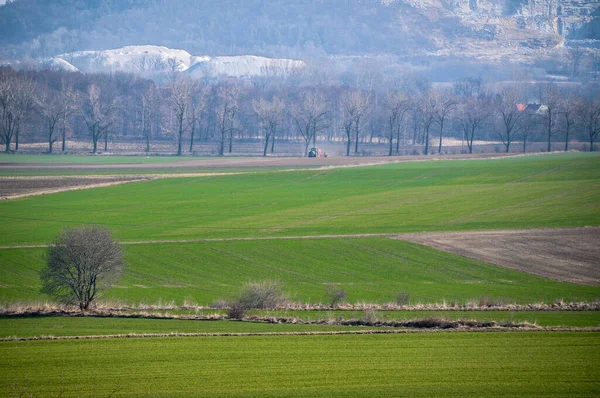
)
(421, 33)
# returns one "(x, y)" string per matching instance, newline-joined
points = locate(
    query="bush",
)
(261, 295)
(335, 294)
(402, 298)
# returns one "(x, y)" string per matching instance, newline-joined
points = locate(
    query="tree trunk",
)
(391, 146)
(426, 141)
(356, 140)
(441, 135)
(192, 137)
(567, 141)
(591, 144)
(222, 144)
(106, 142)
(95, 142)
(266, 145)
(230, 141)
(17, 138)
(273, 143)
(180, 138)
(64, 133)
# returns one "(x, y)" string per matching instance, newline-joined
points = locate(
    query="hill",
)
(488, 31)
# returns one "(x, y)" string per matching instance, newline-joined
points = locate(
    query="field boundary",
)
(316, 333)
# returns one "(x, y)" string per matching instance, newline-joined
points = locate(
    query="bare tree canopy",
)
(82, 262)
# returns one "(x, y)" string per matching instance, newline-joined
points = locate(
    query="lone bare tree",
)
(82, 262)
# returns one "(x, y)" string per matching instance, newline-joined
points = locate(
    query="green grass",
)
(429, 364)
(370, 269)
(90, 326)
(528, 192)
(87, 326)
(541, 318)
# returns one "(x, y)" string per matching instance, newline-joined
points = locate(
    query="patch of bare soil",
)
(20, 187)
(564, 254)
(208, 163)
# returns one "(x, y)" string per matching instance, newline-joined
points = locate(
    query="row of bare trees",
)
(52, 106)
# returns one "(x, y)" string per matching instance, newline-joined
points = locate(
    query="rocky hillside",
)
(414, 31)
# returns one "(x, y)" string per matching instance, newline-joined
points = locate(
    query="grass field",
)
(89, 326)
(86, 326)
(427, 364)
(369, 269)
(527, 192)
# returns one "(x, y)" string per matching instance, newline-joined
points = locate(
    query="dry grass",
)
(23, 308)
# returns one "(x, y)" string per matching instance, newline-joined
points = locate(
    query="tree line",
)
(306, 108)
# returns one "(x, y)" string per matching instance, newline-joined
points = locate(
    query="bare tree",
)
(148, 110)
(354, 105)
(228, 95)
(196, 110)
(551, 105)
(269, 115)
(98, 110)
(505, 104)
(398, 105)
(81, 262)
(181, 90)
(444, 109)
(309, 116)
(569, 117)
(473, 114)
(55, 106)
(16, 98)
(470, 87)
(588, 114)
(427, 111)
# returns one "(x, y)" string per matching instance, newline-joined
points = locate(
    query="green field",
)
(86, 326)
(91, 326)
(426, 364)
(370, 269)
(527, 192)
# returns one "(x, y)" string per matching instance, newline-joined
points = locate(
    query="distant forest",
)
(277, 28)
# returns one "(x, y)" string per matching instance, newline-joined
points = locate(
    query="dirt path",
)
(564, 254)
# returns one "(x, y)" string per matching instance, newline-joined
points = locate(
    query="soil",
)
(20, 187)
(564, 254)
(208, 163)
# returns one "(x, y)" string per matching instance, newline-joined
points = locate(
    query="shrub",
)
(335, 294)
(402, 298)
(261, 295)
